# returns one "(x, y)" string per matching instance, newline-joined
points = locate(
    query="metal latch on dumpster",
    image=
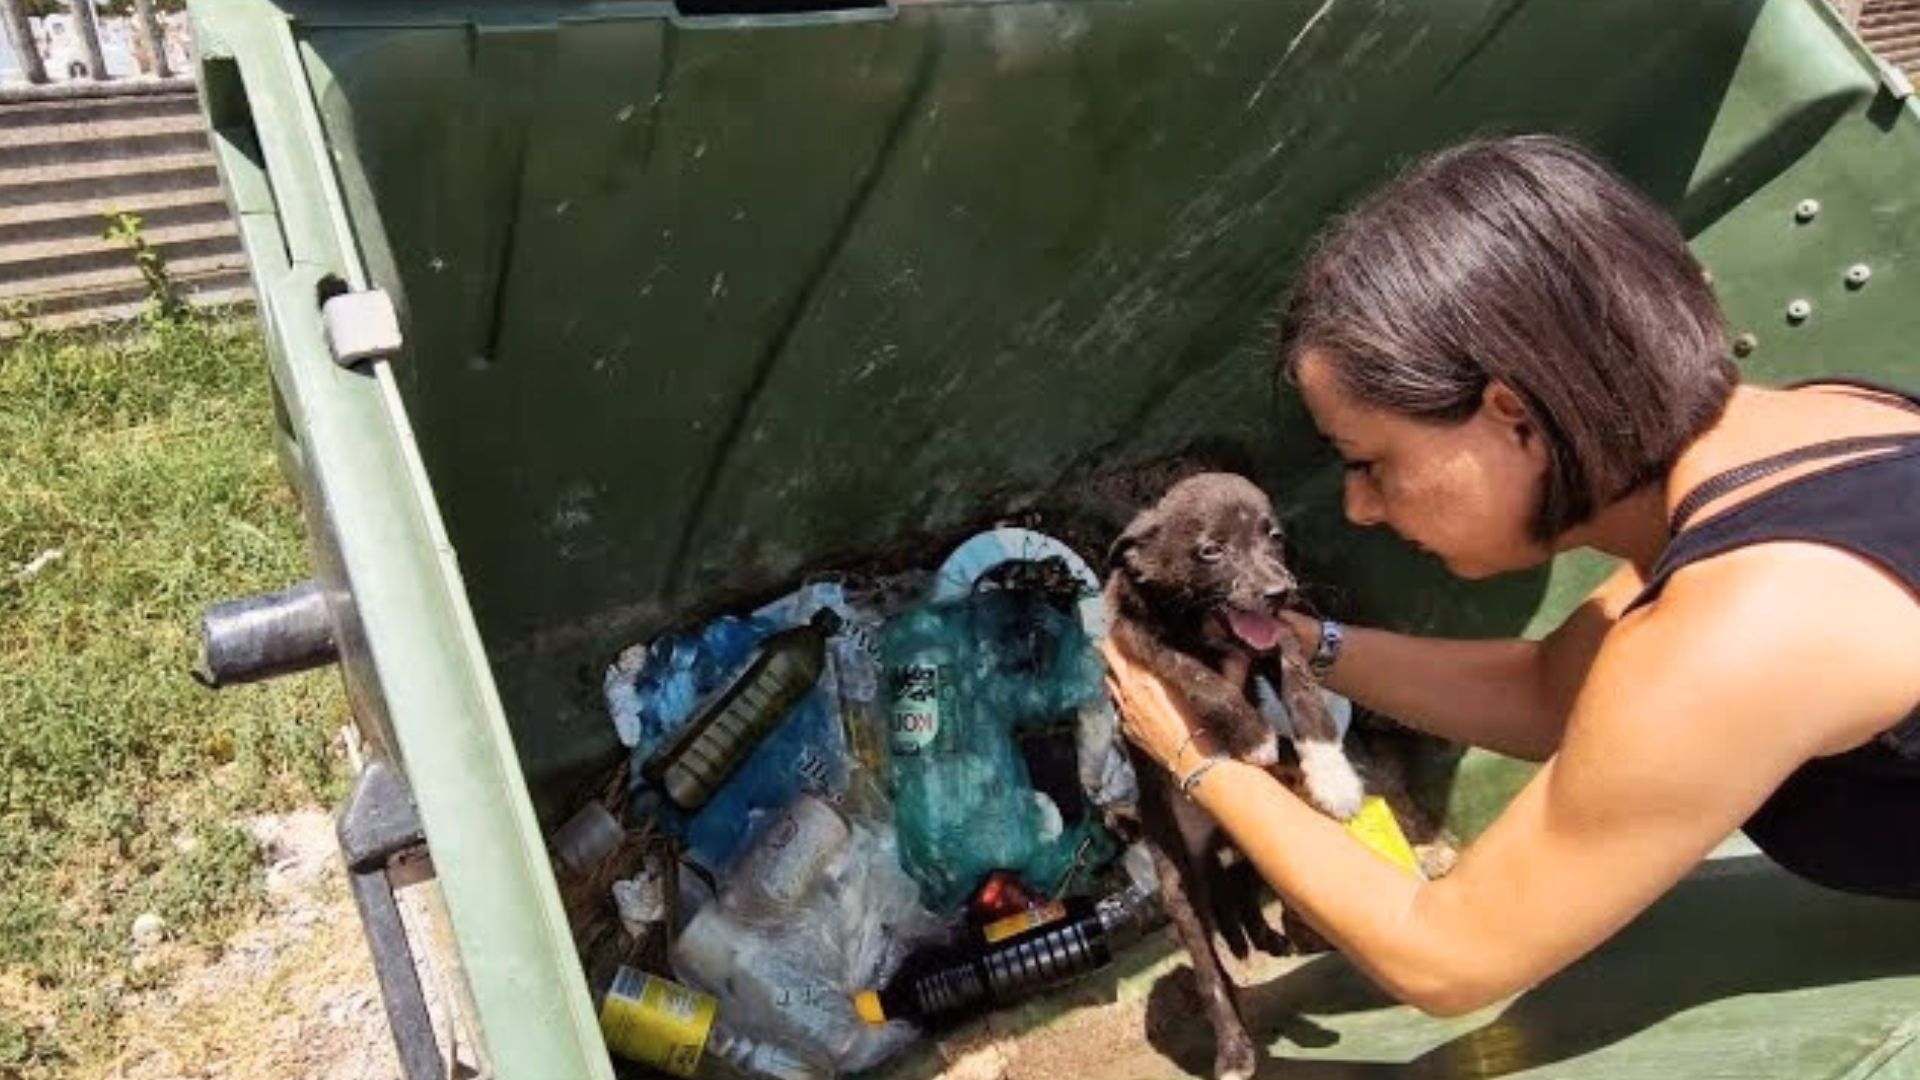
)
(361, 326)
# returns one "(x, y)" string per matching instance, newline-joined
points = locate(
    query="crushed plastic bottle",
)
(814, 908)
(854, 655)
(773, 878)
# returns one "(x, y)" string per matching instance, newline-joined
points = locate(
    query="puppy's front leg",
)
(1331, 780)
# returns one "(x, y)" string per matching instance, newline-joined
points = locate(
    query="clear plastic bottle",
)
(774, 877)
(712, 745)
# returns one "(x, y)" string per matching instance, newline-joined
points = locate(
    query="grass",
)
(137, 485)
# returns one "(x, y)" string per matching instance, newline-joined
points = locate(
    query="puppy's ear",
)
(1142, 530)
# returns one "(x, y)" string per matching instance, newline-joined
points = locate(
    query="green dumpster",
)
(588, 319)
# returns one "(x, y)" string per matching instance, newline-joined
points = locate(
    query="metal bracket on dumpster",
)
(379, 827)
(1894, 80)
(361, 326)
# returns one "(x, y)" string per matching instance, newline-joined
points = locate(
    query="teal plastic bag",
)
(965, 679)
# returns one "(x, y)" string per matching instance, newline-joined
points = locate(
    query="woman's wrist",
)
(1305, 629)
(1190, 781)
(1321, 641)
(1215, 776)
(1194, 751)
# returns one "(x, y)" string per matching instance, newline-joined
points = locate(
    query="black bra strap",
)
(1735, 478)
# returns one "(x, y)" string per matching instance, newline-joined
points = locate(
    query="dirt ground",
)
(291, 996)
(294, 996)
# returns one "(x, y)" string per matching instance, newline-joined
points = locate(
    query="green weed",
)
(137, 485)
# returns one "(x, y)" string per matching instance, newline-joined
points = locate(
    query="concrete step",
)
(237, 296)
(223, 289)
(1896, 52)
(68, 291)
(108, 179)
(81, 149)
(24, 264)
(103, 129)
(1889, 27)
(19, 115)
(1894, 37)
(131, 86)
(88, 217)
(1885, 23)
(1878, 11)
(1881, 22)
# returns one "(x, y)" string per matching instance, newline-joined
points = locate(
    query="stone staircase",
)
(68, 161)
(1892, 29)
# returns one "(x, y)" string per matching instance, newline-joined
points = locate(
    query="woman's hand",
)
(1154, 717)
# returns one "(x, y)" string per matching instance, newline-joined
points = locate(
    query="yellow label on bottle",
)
(655, 1022)
(1014, 925)
(1376, 827)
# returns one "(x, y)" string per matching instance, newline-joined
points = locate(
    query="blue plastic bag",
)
(806, 752)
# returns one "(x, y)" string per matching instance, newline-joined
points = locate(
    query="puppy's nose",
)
(1279, 592)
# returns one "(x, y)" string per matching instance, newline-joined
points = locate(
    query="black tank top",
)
(1852, 820)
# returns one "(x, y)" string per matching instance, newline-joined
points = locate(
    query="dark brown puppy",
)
(1193, 581)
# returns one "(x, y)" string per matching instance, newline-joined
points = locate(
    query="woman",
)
(1516, 355)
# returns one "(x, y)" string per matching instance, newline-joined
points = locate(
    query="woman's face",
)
(1464, 492)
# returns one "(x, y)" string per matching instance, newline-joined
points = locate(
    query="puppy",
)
(1194, 580)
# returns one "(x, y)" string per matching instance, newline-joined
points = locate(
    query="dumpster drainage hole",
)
(772, 7)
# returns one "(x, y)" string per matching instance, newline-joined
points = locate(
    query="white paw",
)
(1331, 781)
(1266, 754)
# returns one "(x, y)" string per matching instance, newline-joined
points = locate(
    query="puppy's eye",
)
(1208, 551)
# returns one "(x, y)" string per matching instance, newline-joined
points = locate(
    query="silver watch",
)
(1327, 653)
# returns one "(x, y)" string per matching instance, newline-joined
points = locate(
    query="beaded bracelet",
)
(1192, 779)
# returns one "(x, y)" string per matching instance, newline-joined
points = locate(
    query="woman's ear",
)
(1505, 407)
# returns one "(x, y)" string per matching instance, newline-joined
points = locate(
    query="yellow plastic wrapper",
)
(1376, 827)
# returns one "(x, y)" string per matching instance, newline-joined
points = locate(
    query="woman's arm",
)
(1693, 712)
(1512, 695)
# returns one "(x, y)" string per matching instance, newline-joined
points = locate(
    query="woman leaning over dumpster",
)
(1515, 355)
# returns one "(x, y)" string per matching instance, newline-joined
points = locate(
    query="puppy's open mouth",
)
(1258, 630)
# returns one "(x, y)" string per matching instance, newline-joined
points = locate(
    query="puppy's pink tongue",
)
(1262, 632)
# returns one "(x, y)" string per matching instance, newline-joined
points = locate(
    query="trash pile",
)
(845, 812)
